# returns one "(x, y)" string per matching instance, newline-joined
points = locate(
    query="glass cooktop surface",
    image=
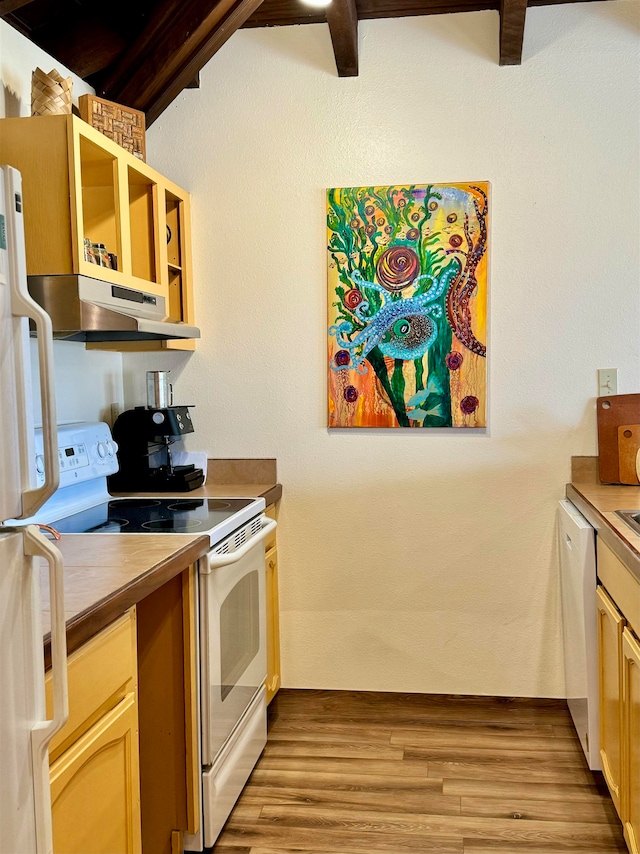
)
(152, 516)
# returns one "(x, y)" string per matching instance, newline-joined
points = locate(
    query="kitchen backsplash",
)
(88, 382)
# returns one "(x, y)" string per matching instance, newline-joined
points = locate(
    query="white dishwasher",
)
(577, 549)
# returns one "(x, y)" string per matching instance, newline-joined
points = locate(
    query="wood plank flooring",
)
(374, 773)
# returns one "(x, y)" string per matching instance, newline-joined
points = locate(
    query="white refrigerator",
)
(25, 731)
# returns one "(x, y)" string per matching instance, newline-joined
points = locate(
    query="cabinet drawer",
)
(101, 673)
(620, 585)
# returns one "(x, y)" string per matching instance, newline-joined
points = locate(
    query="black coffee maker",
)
(144, 436)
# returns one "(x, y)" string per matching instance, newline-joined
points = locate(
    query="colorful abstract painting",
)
(408, 305)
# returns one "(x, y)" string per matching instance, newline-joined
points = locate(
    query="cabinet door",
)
(273, 624)
(95, 788)
(631, 740)
(610, 626)
(101, 673)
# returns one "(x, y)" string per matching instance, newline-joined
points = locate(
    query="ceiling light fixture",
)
(317, 4)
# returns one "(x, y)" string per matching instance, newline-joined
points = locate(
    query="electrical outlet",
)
(607, 381)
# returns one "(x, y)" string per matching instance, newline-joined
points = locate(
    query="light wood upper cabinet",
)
(78, 184)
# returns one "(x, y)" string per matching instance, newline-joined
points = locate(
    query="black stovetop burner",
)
(152, 516)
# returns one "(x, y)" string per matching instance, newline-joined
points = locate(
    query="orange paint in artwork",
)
(369, 410)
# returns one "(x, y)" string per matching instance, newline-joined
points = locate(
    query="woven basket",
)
(50, 93)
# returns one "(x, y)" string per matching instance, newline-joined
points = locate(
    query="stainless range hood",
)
(86, 309)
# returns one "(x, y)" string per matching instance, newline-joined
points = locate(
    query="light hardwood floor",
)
(363, 773)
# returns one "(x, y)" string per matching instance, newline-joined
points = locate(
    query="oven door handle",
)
(214, 560)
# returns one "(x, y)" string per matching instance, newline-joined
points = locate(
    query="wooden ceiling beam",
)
(76, 46)
(9, 6)
(513, 14)
(178, 41)
(275, 13)
(342, 17)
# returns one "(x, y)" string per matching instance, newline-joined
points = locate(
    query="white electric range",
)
(232, 603)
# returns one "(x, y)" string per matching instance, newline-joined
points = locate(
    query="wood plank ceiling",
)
(144, 53)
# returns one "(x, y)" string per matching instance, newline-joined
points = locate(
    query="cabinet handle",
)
(271, 564)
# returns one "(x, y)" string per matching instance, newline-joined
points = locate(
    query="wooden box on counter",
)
(618, 418)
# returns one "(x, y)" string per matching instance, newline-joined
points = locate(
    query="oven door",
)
(233, 635)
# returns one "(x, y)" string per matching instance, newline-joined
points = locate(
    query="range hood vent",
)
(86, 309)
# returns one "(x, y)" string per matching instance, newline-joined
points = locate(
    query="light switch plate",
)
(607, 381)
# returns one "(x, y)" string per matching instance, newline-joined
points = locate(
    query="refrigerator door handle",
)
(37, 545)
(24, 306)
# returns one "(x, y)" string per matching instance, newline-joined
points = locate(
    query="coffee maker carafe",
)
(144, 437)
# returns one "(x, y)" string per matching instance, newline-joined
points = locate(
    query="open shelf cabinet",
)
(78, 184)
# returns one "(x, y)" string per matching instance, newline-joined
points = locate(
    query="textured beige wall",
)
(414, 560)
(87, 383)
(18, 58)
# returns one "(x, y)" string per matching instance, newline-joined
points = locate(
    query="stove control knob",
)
(102, 450)
(40, 464)
(157, 417)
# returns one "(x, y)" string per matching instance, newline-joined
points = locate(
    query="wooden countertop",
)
(104, 574)
(598, 502)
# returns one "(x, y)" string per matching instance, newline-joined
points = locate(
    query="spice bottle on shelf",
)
(89, 254)
(102, 256)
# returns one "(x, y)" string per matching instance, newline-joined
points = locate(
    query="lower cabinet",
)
(94, 772)
(168, 713)
(125, 768)
(95, 788)
(273, 624)
(272, 682)
(631, 739)
(610, 627)
(619, 665)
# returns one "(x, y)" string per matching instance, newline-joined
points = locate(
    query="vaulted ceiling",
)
(144, 53)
